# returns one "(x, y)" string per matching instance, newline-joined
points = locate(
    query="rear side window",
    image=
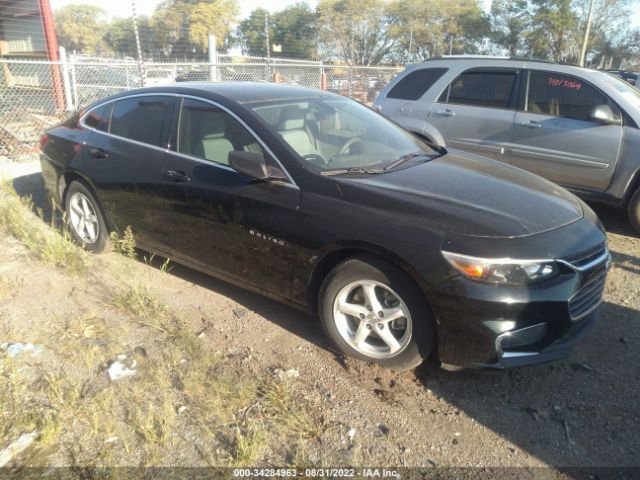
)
(414, 85)
(492, 89)
(98, 118)
(141, 119)
(560, 95)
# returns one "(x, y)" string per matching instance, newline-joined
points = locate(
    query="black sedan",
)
(404, 250)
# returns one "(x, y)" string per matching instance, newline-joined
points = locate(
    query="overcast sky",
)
(122, 8)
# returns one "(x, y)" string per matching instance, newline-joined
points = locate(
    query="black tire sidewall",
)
(634, 210)
(102, 242)
(364, 267)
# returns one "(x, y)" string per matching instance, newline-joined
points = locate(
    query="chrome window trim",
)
(179, 96)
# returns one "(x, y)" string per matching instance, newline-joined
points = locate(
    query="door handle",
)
(531, 124)
(445, 113)
(97, 153)
(178, 176)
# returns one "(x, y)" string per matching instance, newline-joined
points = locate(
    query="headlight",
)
(502, 270)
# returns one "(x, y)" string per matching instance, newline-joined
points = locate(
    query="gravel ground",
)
(583, 411)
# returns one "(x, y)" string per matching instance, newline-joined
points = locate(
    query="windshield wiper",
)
(405, 158)
(342, 171)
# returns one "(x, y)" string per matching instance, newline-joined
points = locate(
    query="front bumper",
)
(557, 350)
(500, 326)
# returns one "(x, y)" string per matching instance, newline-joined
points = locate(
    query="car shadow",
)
(614, 219)
(572, 413)
(576, 412)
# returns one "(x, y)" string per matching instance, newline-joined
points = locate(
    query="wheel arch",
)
(73, 175)
(632, 187)
(339, 253)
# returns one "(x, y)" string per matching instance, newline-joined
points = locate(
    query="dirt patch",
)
(579, 412)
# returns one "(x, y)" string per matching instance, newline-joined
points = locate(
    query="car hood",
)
(469, 195)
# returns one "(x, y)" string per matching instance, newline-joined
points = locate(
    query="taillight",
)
(43, 140)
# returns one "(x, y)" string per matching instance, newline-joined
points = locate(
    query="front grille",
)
(589, 296)
(592, 279)
(583, 258)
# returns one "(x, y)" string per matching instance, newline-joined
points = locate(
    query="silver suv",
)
(574, 126)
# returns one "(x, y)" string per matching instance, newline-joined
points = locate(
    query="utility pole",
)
(137, 35)
(583, 54)
(266, 35)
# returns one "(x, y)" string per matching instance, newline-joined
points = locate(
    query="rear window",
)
(140, 118)
(98, 118)
(492, 89)
(414, 85)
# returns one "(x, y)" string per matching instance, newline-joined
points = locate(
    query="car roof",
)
(244, 92)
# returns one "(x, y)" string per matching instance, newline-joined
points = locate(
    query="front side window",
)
(551, 93)
(141, 119)
(208, 132)
(493, 89)
(332, 133)
(414, 85)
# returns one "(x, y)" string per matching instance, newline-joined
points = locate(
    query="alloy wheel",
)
(83, 218)
(372, 319)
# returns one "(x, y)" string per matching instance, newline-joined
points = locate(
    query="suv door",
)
(476, 111)
(221, 219)
(555, 136)
(124, 159)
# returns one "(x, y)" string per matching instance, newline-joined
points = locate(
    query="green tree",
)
(425, 28)
(552, 32)
(120, 38)
(294, 29)
(182, 26)
(357, 32)
(251, 34)
(509, 19)
(80, 28)
(213, 18)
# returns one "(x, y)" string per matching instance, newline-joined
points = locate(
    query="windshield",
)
(620, 85)
(337, 133)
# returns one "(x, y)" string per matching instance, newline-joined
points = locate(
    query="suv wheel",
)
(372, 310)
(634, 210)
(85, 218)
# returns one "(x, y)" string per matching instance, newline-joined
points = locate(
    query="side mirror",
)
(254, 165)
(603, 114)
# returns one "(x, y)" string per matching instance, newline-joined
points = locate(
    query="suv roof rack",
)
(494, 57)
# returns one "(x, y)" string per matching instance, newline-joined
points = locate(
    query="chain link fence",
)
(35, 94)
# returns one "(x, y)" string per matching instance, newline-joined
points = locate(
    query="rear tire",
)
(85, 218)
(373, 311)
(634, 210)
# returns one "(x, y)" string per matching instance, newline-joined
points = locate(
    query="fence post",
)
(350, 82)
(213, 59)
(74, 81)
(66, 82)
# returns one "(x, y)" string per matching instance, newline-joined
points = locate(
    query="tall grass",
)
(52, 243)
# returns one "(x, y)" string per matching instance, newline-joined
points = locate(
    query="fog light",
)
(522, 337)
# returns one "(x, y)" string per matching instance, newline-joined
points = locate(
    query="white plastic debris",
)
(182, 409)
(351, 434)
(281, 374)
(118, 370)
(15, 448)
(14, 349)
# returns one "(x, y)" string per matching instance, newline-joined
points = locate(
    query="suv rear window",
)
(492, 89)
(414, 85)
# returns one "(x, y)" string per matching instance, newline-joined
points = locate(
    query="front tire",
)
(634, 210)
(373, 311)
(85, 219)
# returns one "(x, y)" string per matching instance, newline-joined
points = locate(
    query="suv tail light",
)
(43, 140)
